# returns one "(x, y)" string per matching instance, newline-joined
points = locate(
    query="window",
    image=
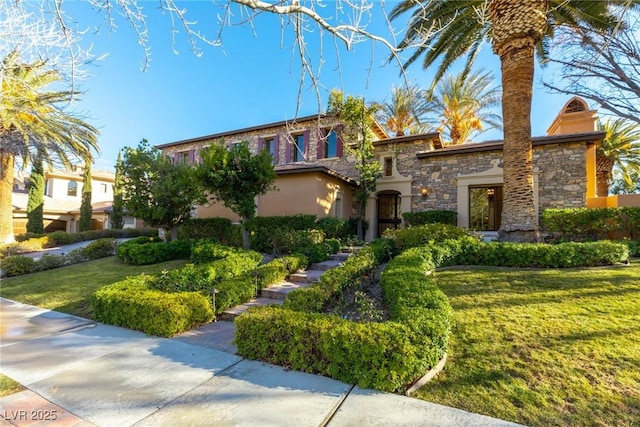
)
(330, 144)
(48, 188)
(183, 157)
(388, 166)
(299, 148)
(485, 208)
(72, 189)
(103, 188)
(271, 145)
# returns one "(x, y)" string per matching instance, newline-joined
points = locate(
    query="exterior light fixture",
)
(424, 191)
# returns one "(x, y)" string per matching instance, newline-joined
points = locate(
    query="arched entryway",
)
(388, 211)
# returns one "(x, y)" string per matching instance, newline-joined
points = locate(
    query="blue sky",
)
(252, 79)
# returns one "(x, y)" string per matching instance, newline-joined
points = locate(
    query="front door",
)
(485, 208)
(388, 211)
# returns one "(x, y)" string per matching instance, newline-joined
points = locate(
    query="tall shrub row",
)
(592, 224)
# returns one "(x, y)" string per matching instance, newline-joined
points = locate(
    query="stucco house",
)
(316, 176)
(62, 200)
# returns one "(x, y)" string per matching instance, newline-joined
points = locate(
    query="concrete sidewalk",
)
(80, 372)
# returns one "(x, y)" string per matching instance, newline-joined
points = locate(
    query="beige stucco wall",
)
(305, 193)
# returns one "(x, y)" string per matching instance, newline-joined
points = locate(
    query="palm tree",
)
(620, 150)
(464, 103)
(405, 111)
(33, 120)
(447, 30)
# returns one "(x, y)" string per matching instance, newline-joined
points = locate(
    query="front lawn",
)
(543, 347)
(69, 289)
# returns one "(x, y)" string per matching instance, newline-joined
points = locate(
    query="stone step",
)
(282, 289)
(325, 265)
(307, 276)
(236, 311)
(339, 257)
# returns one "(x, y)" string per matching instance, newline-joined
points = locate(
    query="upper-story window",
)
(183, 157)
(103, 188)
(388, 166)
(271, 145)
(329, 144)
(72, 189)
(298, 148)
(48, 188)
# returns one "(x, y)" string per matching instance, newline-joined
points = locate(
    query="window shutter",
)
(287, 150)
(192, 155)
(320, 153)
(175, 158)
(276, 149)
(260, 144)
(339, 142)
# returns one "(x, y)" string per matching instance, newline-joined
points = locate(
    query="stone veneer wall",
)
(562, 171)
(284, 133)
(563, 175)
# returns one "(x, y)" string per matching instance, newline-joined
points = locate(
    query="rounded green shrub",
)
(17, 265)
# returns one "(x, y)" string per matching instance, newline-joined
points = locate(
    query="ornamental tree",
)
(232, 175)
(157, 190)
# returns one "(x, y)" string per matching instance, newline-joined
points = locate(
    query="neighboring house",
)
(62, 200)
(315, 176)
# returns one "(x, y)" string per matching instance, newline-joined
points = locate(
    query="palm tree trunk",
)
(519, 220)
(6, 191)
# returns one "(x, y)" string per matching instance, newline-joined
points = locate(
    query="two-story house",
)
(63, 198)
(315, 174)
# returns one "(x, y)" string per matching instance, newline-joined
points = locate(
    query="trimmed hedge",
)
(389, 356)
(430, 217)
(152, 250)
(132, 304)
(411, 237)
(19, 264)
(386, 356)
(542, 255)
(193, 277)
(592, 224)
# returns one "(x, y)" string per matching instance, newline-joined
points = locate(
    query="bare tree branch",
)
(602, 68)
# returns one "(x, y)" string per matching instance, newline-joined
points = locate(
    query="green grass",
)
(543, 347)
(8, 386)
(69, 289)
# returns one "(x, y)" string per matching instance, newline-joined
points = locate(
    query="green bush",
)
(242, 288)
(430, 217)
(587, 223)
(204, 276)
(316, 252)
(218, 229)
(50, 261)
(332, 227)
(17, 265)
(100, 248)
(542, 255)
(333, 245)
(151, 250)
(630, 221)
(60, 238)
(386, 356)
(411, 237)
(131, 304)
(634, 247)
(205, 251)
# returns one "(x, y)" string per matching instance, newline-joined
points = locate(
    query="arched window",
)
(575, 105)
(72, 189)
